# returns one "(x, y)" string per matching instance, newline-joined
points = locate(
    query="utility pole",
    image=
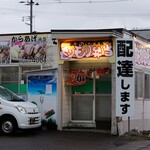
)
(31, 15)
(31, 3)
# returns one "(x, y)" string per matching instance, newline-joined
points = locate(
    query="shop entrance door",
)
(103, 101)
(92, 101)
(83, 102)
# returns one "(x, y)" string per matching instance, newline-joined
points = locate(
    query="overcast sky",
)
(74, 14)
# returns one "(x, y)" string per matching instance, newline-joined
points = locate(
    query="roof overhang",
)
(42, 70)
(67, 34)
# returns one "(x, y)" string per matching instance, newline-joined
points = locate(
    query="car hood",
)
(30, 107)
(25, 104)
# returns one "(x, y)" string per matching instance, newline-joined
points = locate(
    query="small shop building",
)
(89, 79)
(104, 80)
(28, 67)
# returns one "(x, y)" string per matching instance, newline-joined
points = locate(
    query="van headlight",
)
(21, 109)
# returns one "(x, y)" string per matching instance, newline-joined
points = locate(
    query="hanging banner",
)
(124, 77)
(79, 77)
(76, 77)
(101, 71)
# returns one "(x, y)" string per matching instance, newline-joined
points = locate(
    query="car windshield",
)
(9, 96)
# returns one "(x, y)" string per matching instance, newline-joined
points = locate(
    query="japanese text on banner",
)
(124, 78)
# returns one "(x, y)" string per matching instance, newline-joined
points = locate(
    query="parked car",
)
(15, 113)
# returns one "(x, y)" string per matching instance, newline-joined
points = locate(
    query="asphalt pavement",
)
(69, 140)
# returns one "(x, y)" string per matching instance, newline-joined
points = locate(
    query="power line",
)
(90, 1)
(80, 14)
(99, 15)
(94, 14)
(15, 11)
(69, 2)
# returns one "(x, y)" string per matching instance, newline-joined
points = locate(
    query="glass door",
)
(103, 101)
(83, 102)
(92, 101)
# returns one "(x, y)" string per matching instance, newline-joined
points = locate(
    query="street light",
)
(31, 3)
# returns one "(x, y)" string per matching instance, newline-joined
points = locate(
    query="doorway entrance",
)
(103, 101)
(91, 102)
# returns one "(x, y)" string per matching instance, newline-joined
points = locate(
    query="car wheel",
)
(8, 125)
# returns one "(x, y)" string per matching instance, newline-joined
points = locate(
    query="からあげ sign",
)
(28, 48)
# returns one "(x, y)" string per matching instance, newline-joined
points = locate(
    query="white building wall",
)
(141, 120)
(52, 53)
(146, 115)
(136, 121)
(66, 97)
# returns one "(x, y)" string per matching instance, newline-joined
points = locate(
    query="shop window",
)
(103, 87)
(27, 69)
(23, 85)
(9, 78)
(138, 85)
(103, 84)
(83, 89)
(147, 86)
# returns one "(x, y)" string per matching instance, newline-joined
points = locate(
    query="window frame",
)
(136, 86)
(145, 82)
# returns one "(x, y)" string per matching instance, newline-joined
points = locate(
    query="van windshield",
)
(9, 96)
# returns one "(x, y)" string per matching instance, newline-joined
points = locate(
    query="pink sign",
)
(142, 54)
(80, 50)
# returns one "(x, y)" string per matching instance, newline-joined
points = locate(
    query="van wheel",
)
(8, 125)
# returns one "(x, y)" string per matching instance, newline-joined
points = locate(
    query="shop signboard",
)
(125, 77)
(142, 54)
(4, 50)
(42, 90)
(23, 48)
(86, 50)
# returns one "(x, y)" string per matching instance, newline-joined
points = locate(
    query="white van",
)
(16, 113)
